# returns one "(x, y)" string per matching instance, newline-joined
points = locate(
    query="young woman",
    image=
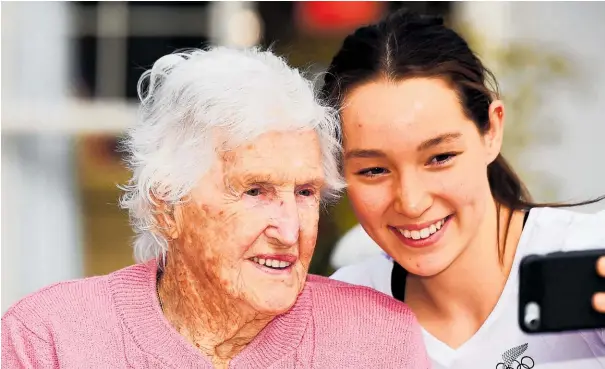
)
(422, 138)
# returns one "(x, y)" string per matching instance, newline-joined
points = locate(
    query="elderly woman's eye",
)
(306, 192)
(253, 192)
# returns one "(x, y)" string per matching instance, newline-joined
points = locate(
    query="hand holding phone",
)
(562, 291)
(598, 299)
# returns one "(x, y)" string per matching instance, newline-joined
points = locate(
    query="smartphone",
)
(555, 292)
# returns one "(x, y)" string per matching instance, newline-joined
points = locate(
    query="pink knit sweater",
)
(115, 321)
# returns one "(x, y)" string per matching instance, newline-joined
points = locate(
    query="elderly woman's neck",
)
(219, 326)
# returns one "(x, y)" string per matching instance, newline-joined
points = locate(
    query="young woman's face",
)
(416, 169)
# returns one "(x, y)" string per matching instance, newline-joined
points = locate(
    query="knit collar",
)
(135, 298)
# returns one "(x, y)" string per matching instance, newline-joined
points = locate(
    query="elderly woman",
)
(231, 158)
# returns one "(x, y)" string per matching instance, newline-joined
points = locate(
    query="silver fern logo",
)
(510, 359)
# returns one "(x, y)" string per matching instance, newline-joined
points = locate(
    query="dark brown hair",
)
(407, 45)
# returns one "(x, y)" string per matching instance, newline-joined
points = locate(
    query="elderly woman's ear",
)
(168, 219)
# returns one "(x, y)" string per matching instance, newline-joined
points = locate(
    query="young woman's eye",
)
(442, 158)
(253, 192)
(372, 172)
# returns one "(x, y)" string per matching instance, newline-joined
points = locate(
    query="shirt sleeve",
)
(23, 348)
(374, 273)
(353, 274)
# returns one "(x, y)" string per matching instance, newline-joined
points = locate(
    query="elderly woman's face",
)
(250, 228)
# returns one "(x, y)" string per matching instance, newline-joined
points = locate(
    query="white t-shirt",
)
(354, 247)
(547, 230)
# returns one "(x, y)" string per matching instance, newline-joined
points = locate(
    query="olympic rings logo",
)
(525, 363)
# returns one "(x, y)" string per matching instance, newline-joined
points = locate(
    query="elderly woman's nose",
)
(284, 222)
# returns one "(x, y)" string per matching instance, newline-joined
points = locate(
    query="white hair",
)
(185, 97)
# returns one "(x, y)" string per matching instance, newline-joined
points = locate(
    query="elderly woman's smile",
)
(274, 263)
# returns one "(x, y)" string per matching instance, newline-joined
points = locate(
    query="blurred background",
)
(69, 73)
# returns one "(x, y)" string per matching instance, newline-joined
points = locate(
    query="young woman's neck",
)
(470, 287)
(203, 313)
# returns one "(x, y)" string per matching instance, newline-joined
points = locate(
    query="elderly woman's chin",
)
(272, 291)
(272, 301)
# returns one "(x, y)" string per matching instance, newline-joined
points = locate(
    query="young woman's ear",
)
(494, 135)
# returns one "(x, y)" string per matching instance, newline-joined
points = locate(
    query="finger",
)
(598, 302)
(601, 266)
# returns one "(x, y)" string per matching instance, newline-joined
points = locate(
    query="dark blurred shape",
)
(88, 4)
(277, 18)
(144, 51)
(147, 31)
(172, 4)
(86, 54)
(442, 8)
(103, 150)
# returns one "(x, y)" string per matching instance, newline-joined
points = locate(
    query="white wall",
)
(40, 214)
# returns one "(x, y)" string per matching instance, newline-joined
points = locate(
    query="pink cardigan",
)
(114, 321)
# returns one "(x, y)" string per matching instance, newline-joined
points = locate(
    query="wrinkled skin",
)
(260, 198)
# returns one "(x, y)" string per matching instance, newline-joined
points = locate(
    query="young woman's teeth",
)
(424, 232)
(272, 263)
